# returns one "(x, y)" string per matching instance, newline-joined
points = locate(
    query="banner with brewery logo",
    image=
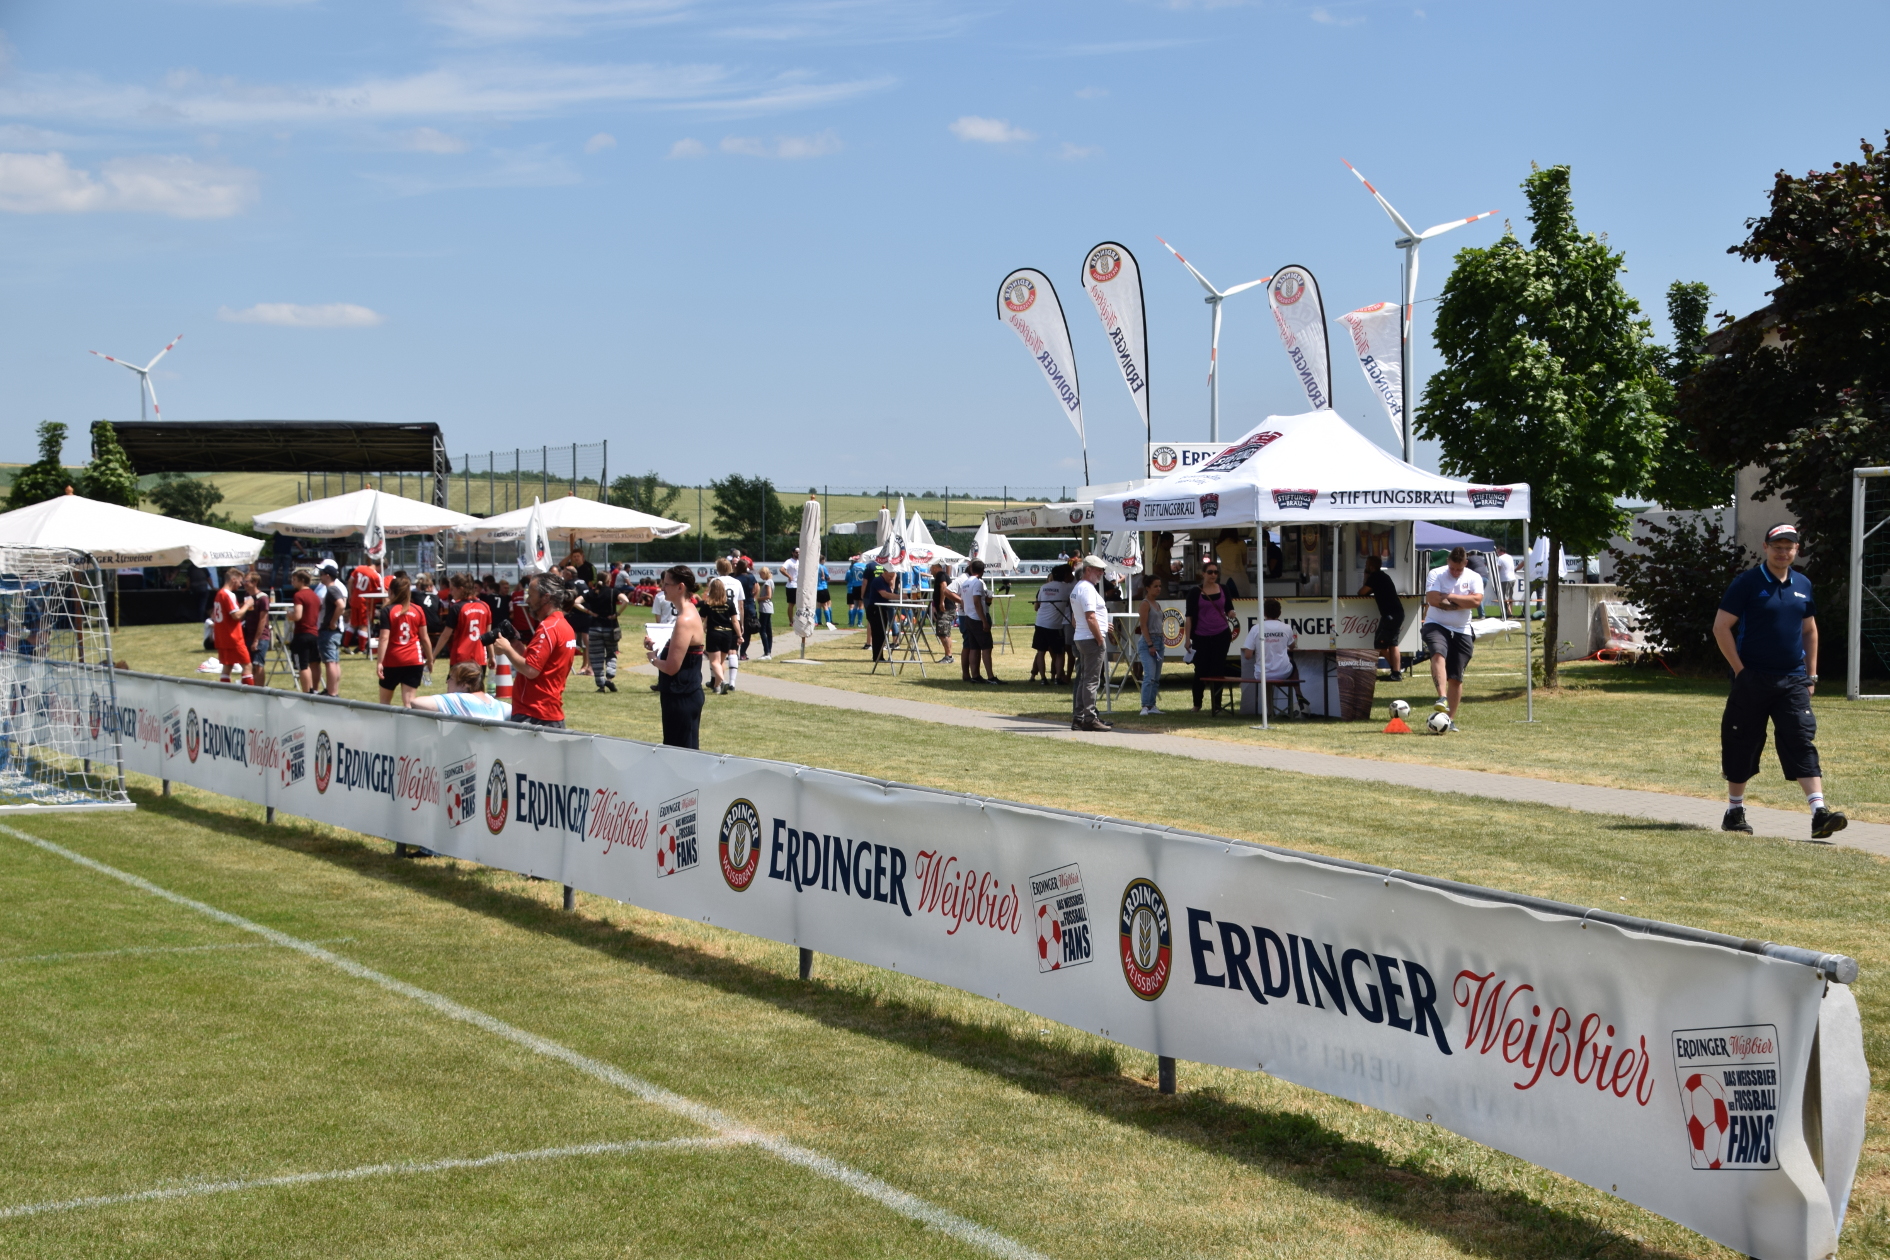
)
(1294, 296)
(1113, 281)
(1376, 331)
(1670, 1072)
(1027, 301)
(1167, 458)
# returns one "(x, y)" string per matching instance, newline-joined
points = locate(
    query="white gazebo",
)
(573, 518)
(121, 537)
(1311, 469)
(343, 514)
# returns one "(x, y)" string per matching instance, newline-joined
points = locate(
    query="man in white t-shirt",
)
(1279, 639)
(1091, 615)
(1451, 595)
(974, 626)
(1505, 577)
(791, 570)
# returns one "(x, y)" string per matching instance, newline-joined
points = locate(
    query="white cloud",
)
(687, 148)
(427, 140)
(1326, 17)
(1077, 152)
(1091, 93)
(182, 187)
(599, 142)
(296, 315)
(788, 147)
(988, 130)
(474, 90)
(534, 167)
(505, 20)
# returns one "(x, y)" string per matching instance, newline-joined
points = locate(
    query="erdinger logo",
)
(193, 734)
(740, 844)
(1301, 499)
(1164, 460)
(1210, 505)
(498, 797)
(538, 550)
(1289, 288)
(1076, 516)
(1132, 509)
(1105, 265)
(1147, 942)
(1171, 627)
(1729, 1095)
(1020, 295)
(324, 761)
(1492, 497)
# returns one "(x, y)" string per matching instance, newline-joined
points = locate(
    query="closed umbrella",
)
(806, 607)
(534, 544)
(373, 537)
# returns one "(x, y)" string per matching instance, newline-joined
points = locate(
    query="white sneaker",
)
(1455, 729)
(1151, 712)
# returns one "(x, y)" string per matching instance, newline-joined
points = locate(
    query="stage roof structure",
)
(157, 446)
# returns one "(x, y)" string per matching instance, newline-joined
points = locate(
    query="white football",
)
(1439, 722)
(1399, 709)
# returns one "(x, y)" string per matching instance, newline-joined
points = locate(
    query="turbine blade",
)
(155, 409)
(1241, 288)
(1442, 228)
(1214, 349)
(160, 354)
(129, 367)
(1190, 266)
(1379, 197)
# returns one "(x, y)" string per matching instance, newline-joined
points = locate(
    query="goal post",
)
(61, 726)
(1869, 576)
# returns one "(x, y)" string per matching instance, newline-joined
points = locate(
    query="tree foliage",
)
(648, 493)
(744, 505)
(46, 477)
(1549, 375)
(1677, 578)
(1684, 478)
(189, 499)
(109, 478)
(1803, 387)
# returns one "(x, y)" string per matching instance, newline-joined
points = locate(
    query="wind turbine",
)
(1409, 243)
(144, 376)
(1214, 299)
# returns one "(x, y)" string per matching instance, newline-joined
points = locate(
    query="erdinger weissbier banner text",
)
(1027, 301)
(1670, 1071)
(1294, 296)
(1113, 280)
(1376, 331)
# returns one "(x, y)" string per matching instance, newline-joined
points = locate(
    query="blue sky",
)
(765, 238)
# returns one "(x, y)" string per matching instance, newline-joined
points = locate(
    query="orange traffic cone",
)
(1397, 727)
(503, 689)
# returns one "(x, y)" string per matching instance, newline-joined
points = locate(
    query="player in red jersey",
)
(227, 611)
(538, 689)
(366, 588)
(465, 627)
(405, 647)
(522, 621)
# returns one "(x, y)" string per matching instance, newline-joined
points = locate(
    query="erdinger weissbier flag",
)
(1113, 281)
(1027, 301)
(534, 544)
(1375, 335)
(1294, 296)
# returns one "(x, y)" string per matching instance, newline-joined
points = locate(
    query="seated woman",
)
(463, 696)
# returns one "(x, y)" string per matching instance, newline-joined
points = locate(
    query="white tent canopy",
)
(922, 549)
(345, 514)
(572, 517)
(995, 550)
(122, 537)
(1311, 467)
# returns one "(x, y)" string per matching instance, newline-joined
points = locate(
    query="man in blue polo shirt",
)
(1774, 659)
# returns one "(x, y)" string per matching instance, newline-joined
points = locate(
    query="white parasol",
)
(806, 605)
(122, 537)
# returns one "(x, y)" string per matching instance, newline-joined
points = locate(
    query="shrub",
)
(1677, 580)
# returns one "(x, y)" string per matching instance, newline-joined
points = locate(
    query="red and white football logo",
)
(1704, 1102)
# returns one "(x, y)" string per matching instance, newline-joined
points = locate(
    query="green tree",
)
(109, 478)
(648, 493)
(1549, 377)
(45, 478)
(1684, 478)
(189, 499)
(748, 513)
(1802, 387)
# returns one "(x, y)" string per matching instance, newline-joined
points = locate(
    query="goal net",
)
(60, 726)
(1869, 647)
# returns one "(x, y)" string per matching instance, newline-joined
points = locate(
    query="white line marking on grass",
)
(155, 949)
(881, 1192)
(192, 1189)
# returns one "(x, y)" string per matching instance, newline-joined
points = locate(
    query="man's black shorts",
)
(1390, 630)
(305, 651)
(1784, 699)
(977, 635)
(1453, 647)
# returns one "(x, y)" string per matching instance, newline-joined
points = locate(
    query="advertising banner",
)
(1666, 1066)
(1376, 332)
(1294, 296)
(1113, 280)
(1027, 301)
(1165, 458)
(1311, 619)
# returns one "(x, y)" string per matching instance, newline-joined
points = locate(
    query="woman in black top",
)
(602, 601)
(878, 589)
(720, 633)
(679, 664)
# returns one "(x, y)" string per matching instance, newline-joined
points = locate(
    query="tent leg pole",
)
(1528, 652)
(807, 964)
(1165, 1074)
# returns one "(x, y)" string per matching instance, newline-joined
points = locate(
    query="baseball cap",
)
(1094, 561)
(329, 566)
(1782, 533)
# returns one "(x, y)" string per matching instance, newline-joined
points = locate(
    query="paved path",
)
(1656, 806)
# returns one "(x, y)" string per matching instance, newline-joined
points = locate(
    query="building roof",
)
(156, 446)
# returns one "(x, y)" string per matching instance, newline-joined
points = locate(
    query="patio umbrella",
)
(572, 518)
(805, 605)
(122, 537)
(343, 514)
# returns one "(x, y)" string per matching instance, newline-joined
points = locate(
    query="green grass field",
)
(147, 1047)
